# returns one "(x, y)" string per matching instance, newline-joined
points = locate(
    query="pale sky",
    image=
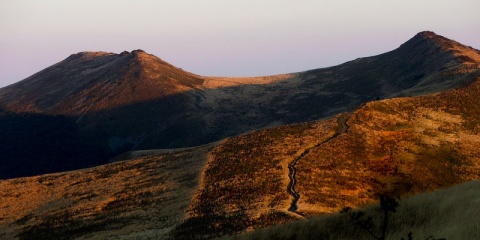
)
(224, 37)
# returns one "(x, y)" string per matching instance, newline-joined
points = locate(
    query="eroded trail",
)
(341, 128)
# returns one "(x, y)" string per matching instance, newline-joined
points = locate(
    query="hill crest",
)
(464, 53)
(97, 80)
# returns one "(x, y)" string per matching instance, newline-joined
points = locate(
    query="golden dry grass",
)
(140, 198)
(245, 181)
(449, 214)
(397, 147)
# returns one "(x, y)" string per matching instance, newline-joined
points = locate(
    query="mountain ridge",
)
(134, 100)
(94, 60)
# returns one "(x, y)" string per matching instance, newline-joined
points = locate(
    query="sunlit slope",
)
(140, 198)
(397, 147)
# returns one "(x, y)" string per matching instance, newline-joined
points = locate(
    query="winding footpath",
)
(342, 128)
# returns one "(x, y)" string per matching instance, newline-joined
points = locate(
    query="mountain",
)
(319, 160)
(133, 101)
(95, 81)
(397, 147)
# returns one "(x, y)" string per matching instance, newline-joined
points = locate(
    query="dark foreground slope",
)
(132, 101)
(445, 214)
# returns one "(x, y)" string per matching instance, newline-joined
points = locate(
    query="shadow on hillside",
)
(32, 144)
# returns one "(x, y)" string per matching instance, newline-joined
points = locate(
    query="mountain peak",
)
(431, 37)
(141, 56)
(430, 42)
(89, 55)
(134, 52)
(114, 79)
(138, 51)
(135, 100)
(428, 34)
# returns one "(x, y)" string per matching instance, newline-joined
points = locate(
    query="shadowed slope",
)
(32, 143)
(57, 112)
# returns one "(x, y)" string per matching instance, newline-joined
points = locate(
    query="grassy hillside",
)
(245, 181)
(141, 198)
(444, 214)
(398, 147)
